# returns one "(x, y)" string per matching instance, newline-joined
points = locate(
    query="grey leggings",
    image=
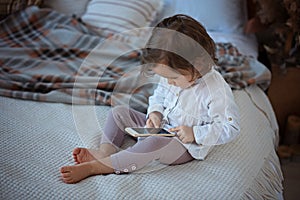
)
(166, 150)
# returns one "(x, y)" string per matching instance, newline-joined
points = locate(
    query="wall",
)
(284, 94)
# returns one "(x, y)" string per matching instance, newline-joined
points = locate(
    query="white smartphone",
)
(145, 132)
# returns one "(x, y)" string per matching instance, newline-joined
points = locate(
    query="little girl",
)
(192, 99)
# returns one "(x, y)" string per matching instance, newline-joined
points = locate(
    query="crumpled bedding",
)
(51, 57)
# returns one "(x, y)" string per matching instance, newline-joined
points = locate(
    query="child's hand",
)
(184, 133)
(154, 120)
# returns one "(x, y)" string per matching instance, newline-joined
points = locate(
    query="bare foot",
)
(76, 173)
(82, 155)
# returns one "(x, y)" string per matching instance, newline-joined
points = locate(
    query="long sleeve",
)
(224, 118)
(156, 101)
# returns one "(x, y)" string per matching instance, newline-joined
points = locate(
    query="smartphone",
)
(145, 132)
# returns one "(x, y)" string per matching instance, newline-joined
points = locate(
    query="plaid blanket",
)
(239, 70)
(43, 57)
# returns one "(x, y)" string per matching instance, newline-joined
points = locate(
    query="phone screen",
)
(151, 131)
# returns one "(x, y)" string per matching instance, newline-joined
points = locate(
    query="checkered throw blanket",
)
(43, 57)
(239, 70)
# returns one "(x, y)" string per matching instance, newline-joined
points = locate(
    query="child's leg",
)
(166, 150)
(118, 119)
(113, 134)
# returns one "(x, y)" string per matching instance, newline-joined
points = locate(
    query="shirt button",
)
(177, 94)
(229, 119)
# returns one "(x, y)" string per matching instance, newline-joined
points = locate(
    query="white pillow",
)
(115, 16)
(227, 16)
(69, 7)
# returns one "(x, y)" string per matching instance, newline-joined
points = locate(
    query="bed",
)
(65, 64)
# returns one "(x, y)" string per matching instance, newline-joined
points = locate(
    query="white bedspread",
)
(38, 138)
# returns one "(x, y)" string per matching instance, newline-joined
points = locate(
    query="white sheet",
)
(38, 138)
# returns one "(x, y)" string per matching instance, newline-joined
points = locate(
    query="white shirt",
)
(208, 106)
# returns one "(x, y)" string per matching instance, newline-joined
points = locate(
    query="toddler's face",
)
(173, 77)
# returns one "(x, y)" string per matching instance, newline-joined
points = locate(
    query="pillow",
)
(227, 16)
(114, 16)
(8, 7)
(68, 7)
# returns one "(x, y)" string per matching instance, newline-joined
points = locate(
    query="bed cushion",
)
(8, 7)
(115, 16)
(227, 16)
(68, 7)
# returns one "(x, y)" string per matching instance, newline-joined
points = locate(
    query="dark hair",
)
(184, 37)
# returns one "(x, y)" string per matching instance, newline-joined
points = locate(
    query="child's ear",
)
(203, 64)
(198, 61)
(198, 64)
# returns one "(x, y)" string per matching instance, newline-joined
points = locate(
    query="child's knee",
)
(120, 110)
(119, 113)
